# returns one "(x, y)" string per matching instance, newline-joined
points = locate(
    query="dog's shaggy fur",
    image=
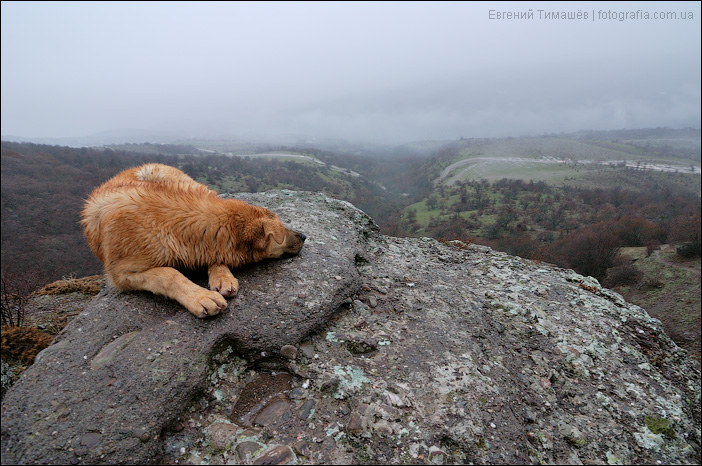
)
(148, 221)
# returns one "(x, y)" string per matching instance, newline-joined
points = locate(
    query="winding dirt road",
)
(687, 266)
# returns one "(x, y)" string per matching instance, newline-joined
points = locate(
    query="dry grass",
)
(87, 285)
(22, 344)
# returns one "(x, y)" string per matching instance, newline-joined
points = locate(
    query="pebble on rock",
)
(221, 435)
(289, 351)
(281, 454)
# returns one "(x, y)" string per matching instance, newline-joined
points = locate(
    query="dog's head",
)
(274, 240)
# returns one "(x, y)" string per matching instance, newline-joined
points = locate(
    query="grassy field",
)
(557, 159)
(495, 169)
(669, 291)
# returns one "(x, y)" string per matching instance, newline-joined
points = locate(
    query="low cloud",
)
(381, 72)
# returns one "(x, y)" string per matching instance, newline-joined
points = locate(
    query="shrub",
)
(688, 250)
(685, 231)
(636, 231)
(650, 283)
(590, 250)
(651, 246)
(622, 275)
(15, 290)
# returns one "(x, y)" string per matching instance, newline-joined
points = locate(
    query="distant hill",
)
(120, 136)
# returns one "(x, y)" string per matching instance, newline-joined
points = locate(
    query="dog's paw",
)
(224, 282)
(206, 303)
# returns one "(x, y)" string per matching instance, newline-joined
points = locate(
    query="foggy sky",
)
(380, 72)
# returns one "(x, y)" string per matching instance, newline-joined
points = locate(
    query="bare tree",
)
(15, 290)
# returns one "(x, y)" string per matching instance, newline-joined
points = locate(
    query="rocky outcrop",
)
(363, 348)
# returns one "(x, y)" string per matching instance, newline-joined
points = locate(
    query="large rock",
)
(447, 353)
(126, 366)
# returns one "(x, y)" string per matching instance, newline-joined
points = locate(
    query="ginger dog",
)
(148, 221)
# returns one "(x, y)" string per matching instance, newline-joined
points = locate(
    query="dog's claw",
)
(222, 281)
(206, 303)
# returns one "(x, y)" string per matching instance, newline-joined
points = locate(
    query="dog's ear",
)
(263, 232)
(273, 231)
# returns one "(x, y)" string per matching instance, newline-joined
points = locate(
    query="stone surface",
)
(307, 409)
(222, 435)
(262, 399)
(307, 350)
(482, 358)
(281, 454)
(246, 450)
(476, 357)
(273, 413)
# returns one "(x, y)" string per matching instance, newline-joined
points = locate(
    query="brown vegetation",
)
(668, 287)
(686, 230)
(22, 344)
(86, 285)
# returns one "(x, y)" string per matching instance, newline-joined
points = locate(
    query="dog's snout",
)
(302, 236)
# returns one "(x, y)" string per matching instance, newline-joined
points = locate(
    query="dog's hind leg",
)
(169, 282)
(222, 280)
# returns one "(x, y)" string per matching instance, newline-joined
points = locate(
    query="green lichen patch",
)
(660, 426)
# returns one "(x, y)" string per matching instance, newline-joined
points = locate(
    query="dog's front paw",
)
(206, 303)
(222, 280)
